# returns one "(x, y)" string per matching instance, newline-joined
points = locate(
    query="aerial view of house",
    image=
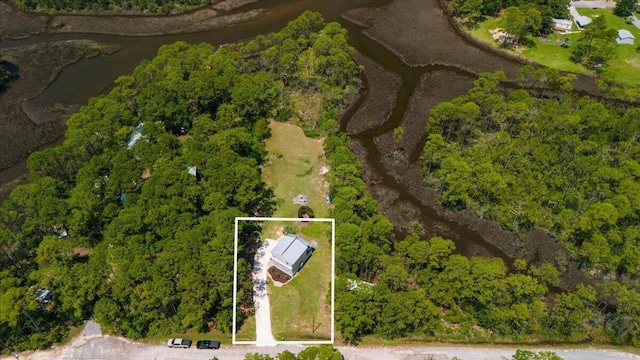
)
(291, 253)
(625, 37)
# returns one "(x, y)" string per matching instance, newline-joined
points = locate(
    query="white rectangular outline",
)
(333, 277)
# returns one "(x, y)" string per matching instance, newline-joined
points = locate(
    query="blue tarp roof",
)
(291, 247)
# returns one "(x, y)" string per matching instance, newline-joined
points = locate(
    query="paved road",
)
(593, 4)
(635, 20)
(264, 337)
(114, 348)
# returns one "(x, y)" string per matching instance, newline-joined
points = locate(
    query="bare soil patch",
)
(383, 86)
(278, 276)
(38, 66)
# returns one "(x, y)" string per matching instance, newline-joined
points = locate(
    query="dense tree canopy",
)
(131, 219)
(568, 164)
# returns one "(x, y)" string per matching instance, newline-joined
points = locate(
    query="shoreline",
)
(26, 24)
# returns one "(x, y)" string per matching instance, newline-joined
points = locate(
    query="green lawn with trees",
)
(301, 309)
(593, 50)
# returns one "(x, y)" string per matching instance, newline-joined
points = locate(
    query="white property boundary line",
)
(333, 276)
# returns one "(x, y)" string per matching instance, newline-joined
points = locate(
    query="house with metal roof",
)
(291, 253)
(583, 21)
(625, 37)
(562, 24)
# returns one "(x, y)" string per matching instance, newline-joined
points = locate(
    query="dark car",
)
(208, 344)
(179, 343)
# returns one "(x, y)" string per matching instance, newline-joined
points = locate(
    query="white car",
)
(179, 343)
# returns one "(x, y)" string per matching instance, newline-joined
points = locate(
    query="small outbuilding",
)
(291, 253)
(562, 25)
(625, 37)
(583, 21)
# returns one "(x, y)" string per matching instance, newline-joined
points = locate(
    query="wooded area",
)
(568, 164)
(131, 219)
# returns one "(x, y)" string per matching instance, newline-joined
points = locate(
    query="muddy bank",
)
(381, 99)
(15, 24)
(197, 21)
(39, 65)
(418, 32)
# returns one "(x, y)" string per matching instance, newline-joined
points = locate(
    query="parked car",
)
(179, 343)
(208, 344)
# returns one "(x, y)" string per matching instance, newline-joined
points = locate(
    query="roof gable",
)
(291, 248)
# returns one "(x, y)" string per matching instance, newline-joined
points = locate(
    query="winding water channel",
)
(444, 66)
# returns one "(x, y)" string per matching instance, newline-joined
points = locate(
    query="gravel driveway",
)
(264, 337)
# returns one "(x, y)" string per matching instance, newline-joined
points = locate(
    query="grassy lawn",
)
(248, 330)
(293, 167)
(294, 162)
(299, 309)
(191, 334)
(625, 66)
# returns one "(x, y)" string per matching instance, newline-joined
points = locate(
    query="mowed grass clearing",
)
(247, 331)
(301, 309)
(293, 167)
(625, 66)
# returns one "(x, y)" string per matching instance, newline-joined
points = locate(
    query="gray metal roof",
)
(563, 22)
(625, 34)
(583, 21)
(290, 247)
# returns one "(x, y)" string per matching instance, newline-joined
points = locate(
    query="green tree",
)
(625, 7)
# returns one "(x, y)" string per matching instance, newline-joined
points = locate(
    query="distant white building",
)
(562, 24)
(583, 21)
(625, 37)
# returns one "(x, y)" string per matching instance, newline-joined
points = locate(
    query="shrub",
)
(305, 210)
(312, 133)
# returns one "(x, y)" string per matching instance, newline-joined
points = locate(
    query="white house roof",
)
(562, 22)
(625, 34)
(290, 247)
(583, 20)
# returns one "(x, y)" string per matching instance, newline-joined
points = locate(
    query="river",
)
(460, 60)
